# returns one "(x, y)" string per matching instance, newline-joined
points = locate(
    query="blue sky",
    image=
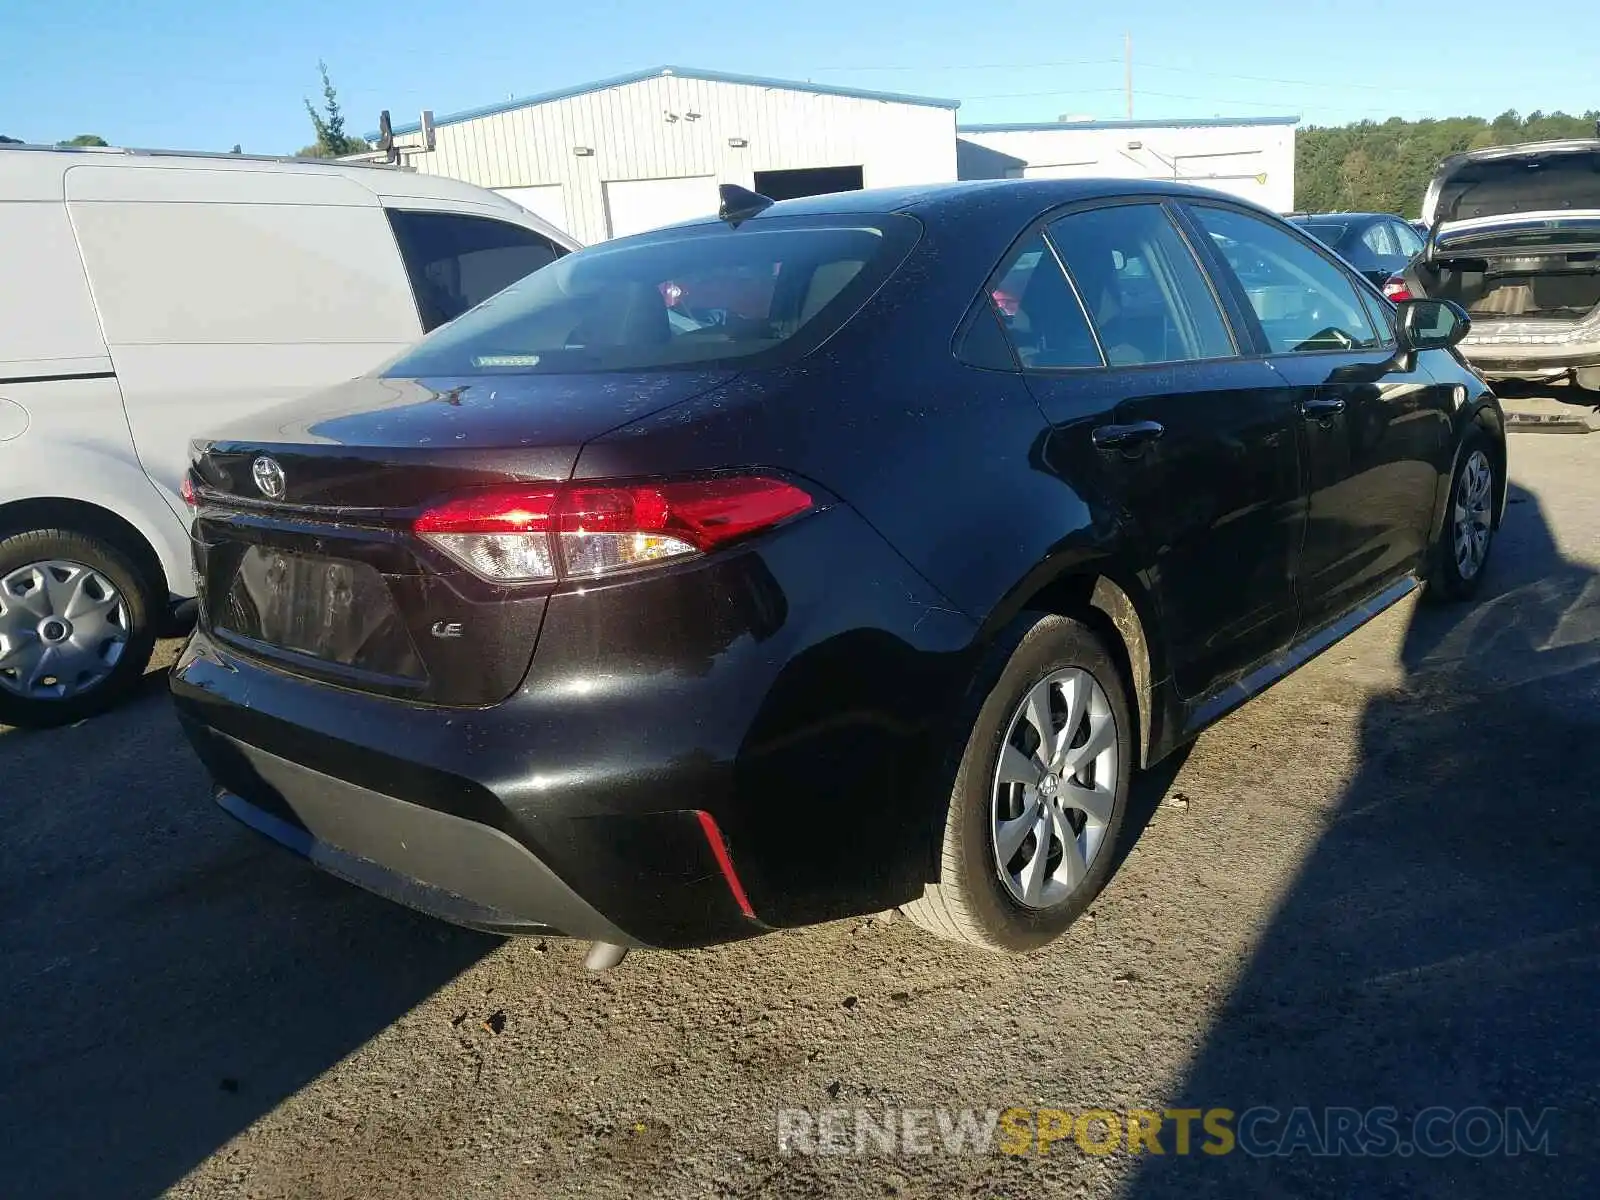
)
(177, 73)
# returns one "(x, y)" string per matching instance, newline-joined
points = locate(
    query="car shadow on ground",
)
(169, 977)
(1441, 944)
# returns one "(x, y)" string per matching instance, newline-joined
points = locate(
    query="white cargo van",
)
(148, 297)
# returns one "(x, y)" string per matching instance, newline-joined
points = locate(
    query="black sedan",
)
(835, 555)
(1376, 244)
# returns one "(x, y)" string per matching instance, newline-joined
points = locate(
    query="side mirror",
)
(1431, 324)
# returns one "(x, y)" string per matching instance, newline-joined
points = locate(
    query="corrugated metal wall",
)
(1255, 162)
(632, 137)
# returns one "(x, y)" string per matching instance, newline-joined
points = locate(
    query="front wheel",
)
(1461, 554)
(77, 625)
(1039, 796)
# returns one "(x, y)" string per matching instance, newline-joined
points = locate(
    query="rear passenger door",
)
(456, 261)
(1126, 345)
(1375, 425)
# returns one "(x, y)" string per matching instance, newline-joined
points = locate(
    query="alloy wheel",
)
(1054, 788)
(1474, 492)
(63, 627)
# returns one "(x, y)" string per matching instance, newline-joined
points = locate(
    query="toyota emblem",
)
(269, 477)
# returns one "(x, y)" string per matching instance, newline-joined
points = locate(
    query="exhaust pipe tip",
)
(603, 956)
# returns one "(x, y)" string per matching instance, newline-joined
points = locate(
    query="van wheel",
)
(1039, 796)
(77, 625)
(1461, 555)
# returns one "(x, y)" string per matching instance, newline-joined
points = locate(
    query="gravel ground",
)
(1375, 885)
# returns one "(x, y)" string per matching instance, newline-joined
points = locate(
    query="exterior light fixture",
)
(738, 143)
(583, 151)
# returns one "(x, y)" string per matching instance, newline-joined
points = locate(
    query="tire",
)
(1473, 487)
(90, 579)
(972, 902)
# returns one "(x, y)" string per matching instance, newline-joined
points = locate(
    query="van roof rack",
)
(360, 159)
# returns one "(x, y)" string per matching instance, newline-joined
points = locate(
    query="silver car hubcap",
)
(63, 626)
(1054, 788)
(1473, 499)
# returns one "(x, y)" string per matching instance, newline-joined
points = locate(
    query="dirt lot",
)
(1375, 885)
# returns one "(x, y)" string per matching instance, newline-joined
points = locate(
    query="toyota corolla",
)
(773, 568)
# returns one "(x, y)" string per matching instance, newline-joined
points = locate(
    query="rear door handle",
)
(1321, 408)
(1131, 437)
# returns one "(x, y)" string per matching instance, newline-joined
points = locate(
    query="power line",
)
(1073, 62)
(1032, 95)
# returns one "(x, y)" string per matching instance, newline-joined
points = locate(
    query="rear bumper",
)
(696, 757)
(457, 870)
(1503, 349)
(414, 824)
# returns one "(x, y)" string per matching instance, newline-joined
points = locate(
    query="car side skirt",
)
(1212, 707)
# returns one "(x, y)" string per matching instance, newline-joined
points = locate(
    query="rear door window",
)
(1303, 301)
(763, 292)
(1144, 292)
(1409, 239)
(456, 261)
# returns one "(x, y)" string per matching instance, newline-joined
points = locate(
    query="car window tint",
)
(690, 295)
(1144, 292)
(1303, 301)
(1328, 235)
(1042, 318)
(1408, 238)
(984, 343)
(1377, 238)
(456, 262)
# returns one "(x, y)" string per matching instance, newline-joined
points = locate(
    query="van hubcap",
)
(1474, 495)
(1054, 788)
(63, 627)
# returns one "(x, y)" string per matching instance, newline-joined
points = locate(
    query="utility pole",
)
(1127, 70)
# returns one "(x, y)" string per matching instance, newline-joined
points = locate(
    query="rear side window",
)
(1143, 289)
(456, 262)
(1042, 317)
(1303, 301)
(763, 292)
(1380, 240)
(1410, 241)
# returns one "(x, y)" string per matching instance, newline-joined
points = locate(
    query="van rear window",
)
(692, 295)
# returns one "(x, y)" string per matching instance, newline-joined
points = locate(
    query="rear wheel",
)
(1039, 796)
(1461, 554)
(77, 625)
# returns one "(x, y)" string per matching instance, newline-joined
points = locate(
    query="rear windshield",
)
(1326, 233)
(767, 290)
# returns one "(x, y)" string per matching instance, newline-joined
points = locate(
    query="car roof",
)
(39, 173)
(1015, 200)
(1346, 217)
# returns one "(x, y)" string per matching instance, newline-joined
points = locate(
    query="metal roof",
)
(1173, 123)
(600, 85)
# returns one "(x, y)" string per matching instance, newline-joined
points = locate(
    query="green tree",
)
(85, 139)
(11, 141)
(1368, 166)
(332, 141)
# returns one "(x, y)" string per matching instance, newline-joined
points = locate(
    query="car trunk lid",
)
(302, 531)
(1548, 179)
(1515, 239)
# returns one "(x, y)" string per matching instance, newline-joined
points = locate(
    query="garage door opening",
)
(808, 181)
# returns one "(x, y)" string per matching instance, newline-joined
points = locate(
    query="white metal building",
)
(647, 149)
(1250, 157)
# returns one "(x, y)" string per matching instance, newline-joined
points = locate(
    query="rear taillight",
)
(1395, 289)
(581, 531)
(186, 490)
